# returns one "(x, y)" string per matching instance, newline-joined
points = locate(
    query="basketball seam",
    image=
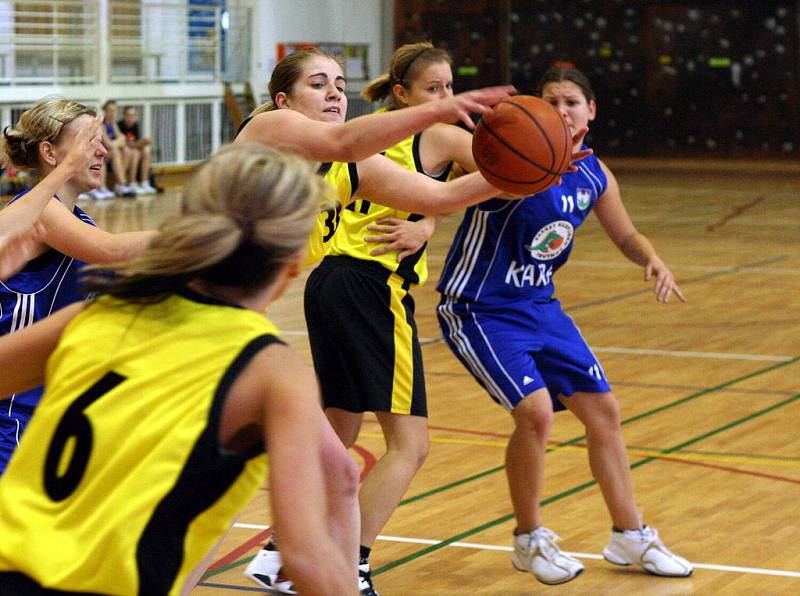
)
(545, 170)
(491, 172)
(541, 129)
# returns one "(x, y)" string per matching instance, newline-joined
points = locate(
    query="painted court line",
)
(685, 267)
(474, 545)
(690, 354)
(478, 546)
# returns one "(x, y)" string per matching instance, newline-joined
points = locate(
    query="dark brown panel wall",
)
(710, 78)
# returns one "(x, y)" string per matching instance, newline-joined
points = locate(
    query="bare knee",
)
(601, 415)
(534, 416)
(416, 451)
(406, 437)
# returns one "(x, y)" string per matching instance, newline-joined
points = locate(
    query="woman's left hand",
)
(665, 284)
(401, 235)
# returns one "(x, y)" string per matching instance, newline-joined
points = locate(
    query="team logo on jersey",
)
(584, 198)
(551, 240)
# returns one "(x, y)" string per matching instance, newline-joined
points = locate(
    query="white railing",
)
(42, 42)
(109, 41)
(182, 130)
(164, 41)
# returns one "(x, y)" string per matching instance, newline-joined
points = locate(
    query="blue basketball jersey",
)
(507, 251)
(46, 284)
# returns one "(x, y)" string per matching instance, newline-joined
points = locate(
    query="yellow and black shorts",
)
(364, 341)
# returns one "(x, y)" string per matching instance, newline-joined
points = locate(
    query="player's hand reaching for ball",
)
(578, 153)
(480, 101)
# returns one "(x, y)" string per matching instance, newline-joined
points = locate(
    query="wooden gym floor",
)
(710, 395)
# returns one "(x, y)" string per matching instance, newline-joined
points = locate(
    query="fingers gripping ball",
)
(523, 145)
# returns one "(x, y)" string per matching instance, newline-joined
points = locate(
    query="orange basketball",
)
(522, 145)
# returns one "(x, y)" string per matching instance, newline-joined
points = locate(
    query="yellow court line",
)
(754, 460)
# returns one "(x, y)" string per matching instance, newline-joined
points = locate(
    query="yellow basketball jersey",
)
(359, 214)
(120, 485)
(343, 177)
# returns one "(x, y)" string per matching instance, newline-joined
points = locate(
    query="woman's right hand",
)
(479, 101)
(83, 152)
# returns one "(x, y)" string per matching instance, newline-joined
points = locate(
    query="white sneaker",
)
(147, 188)
(644, 547)
(102, 193)
(265, 570)
(98, 195)
(365, 587)
(537, 552)
(84, 196)
(124, 190)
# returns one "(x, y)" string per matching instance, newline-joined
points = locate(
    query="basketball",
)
(522, 146)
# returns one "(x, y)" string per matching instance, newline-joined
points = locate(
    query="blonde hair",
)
(247, 211)
(407, 63)
(286, 73)
(43, 122)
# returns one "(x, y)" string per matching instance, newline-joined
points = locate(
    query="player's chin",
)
(90, 181)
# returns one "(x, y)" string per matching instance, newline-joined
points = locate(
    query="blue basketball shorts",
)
(515, 350)
(14, 418)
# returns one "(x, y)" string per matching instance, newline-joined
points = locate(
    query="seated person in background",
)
(118, 153)
(139, 148)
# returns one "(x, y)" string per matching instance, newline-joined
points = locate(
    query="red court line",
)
(728, 469)
(259, 539)
(255, 542)
(369, 461)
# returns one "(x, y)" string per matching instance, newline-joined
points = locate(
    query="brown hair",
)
(407, 63)
(43, 122)
(286, 73)
(559, 74)
(246, 212)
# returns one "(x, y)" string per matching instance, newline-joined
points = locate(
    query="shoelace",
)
(546, 542)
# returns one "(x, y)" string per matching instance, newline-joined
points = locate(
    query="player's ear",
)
(592, 110)
(400, 93)
(47, 153)
(281, 100)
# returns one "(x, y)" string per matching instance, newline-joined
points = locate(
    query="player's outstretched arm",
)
(635, 246)
(36, 343)
(361, 137)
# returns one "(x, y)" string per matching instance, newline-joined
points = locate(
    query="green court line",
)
(439, 545)
(683, 282)
(219, 570)
(678, 402)
(563, 443)
(727, 454)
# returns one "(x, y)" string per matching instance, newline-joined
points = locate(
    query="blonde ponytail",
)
(247, 211)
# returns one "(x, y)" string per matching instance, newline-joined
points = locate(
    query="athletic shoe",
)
(644, 547)
(100, 194)
(124, 190)
(84, 196)
(137, 188)
(365, 581)
(105, 193)
(537, 552)
(147, 188)
(266, 570)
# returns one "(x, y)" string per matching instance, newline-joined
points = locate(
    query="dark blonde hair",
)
(408, 62)
(43, 122)
(247, 211)
(287, 72)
